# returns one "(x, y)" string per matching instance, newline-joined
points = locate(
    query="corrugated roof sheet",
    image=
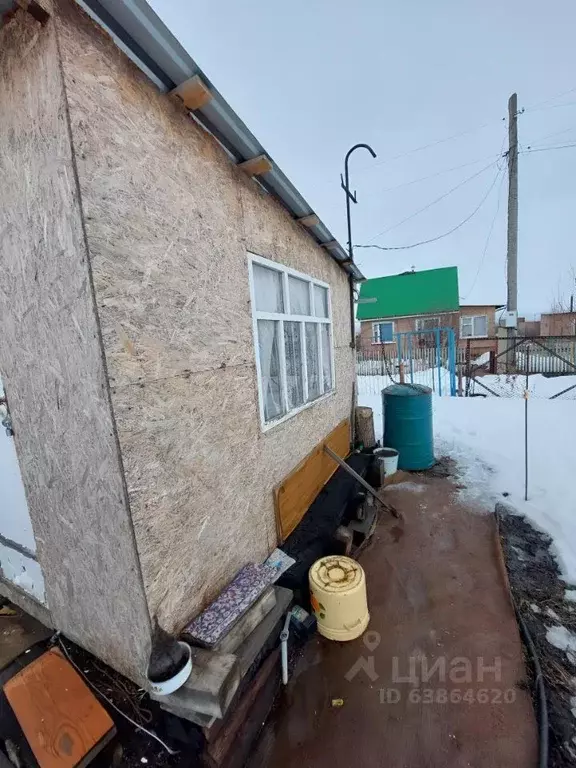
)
(410, 293)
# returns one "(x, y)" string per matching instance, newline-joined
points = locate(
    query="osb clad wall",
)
(52, 364)
(169, 223)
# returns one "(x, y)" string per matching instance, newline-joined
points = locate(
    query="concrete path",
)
(438, 679)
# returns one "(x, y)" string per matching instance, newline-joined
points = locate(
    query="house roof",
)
(140, 33)
(409, 293)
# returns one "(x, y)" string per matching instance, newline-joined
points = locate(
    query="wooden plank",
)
(298, 490)
(232, 746)
(59, 715)
(309, 221)
(194, 93)
(256, 166)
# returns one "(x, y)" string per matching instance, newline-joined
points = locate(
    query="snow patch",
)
(485, 436)
(561, 637)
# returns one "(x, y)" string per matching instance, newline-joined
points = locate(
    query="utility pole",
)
(512, 248)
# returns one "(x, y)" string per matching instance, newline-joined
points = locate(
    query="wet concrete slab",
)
(438, 679)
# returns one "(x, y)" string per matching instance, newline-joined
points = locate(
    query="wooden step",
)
(62, 720)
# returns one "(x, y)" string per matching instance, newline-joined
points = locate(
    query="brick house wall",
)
(447, 320)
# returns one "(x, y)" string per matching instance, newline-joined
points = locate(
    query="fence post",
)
(452, 361)
(411, 360)
(438, 360)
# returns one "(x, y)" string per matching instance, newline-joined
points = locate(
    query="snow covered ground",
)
(485, 436)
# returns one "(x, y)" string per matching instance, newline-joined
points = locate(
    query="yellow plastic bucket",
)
(338, 596)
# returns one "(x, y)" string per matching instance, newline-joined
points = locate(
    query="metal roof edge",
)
(140, 33)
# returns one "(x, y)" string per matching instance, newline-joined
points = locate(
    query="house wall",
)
(448, 320)
(558, 324)
(480, 346)
(403, 325)
(170, 221)
(52, 366)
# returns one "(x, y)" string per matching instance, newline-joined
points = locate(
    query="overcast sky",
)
(312, 77)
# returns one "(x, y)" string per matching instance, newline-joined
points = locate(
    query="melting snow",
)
(485, 436)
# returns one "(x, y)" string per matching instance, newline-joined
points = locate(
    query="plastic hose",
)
(284, 635)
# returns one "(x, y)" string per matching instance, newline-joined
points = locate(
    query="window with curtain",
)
(474, 327)
(426, 323)
(294, 345)
(383, 333)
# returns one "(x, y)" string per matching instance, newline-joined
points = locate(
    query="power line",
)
(439, 237)
(532, 107)
(551, 106)
(437, 200)
(529, 150)
(431, 144)
(440, 173)
(550, 135)
(483, 256)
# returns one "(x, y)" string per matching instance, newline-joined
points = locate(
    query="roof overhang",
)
(139, 32)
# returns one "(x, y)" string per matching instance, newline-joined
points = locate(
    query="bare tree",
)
(564, 301)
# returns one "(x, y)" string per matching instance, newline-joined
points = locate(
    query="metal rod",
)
(438, 361)
(361, 480)
(351, 197)
(526, 425)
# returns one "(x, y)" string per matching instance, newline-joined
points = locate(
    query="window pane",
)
(268, 332)
(320, 301)
(326, 356)
(268, 289)
(312, 362)
(466, 326)
(299, 296)
(386, 332)
(480, 326)
(294, 373)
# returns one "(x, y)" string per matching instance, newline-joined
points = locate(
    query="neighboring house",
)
(422, 301)
(558, 324)
(528, 328)
(175, 328)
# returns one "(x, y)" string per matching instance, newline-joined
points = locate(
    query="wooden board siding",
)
(294, 495)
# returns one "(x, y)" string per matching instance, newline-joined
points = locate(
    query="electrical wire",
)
(429, 145)
(111, 703)
(529, 150)
(483, 256)
(549, 135)
(532, 107)
(438, 237)
(437, 200)
(442, 172)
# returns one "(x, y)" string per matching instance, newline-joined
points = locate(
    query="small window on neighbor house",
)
(426, 323)
(293, 333)
(474, 327)
(383, 333)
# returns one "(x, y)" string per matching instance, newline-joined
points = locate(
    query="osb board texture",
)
(296, 492)
(169, 222)
(53, 367)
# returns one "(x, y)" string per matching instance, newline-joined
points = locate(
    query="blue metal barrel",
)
(407, 411)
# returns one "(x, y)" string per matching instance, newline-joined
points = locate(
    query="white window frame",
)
(419, 320)
(377, 324)
(286, 316)
(471, 319)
